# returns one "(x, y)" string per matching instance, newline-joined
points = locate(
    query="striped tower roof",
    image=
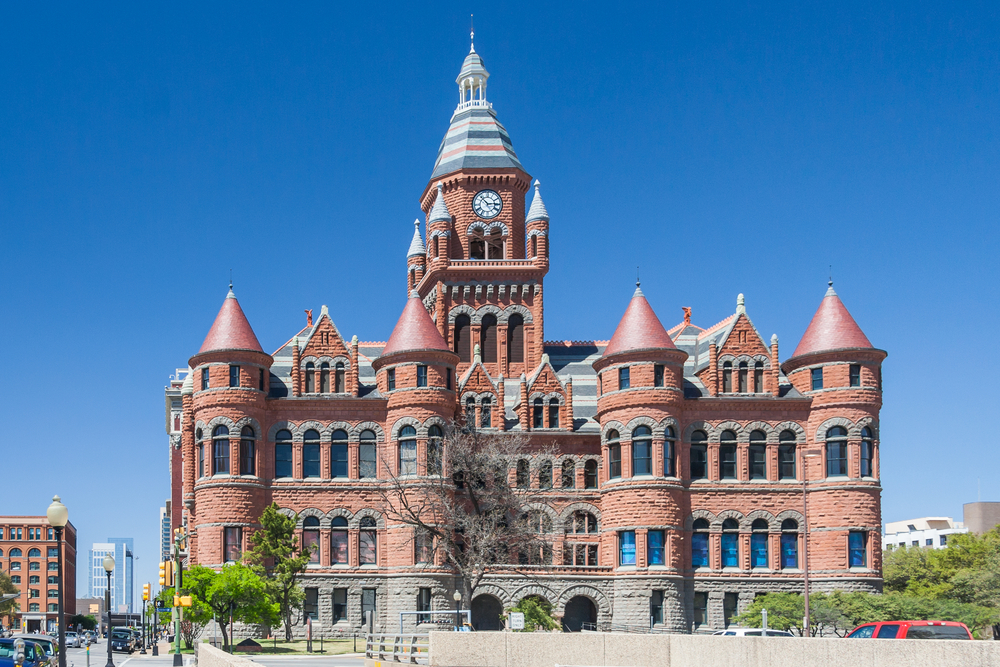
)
(475, 140)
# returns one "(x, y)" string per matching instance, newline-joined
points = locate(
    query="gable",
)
(743, 339)
(325, 341)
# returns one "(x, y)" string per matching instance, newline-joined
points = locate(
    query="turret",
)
(537, 229)
(416, 259)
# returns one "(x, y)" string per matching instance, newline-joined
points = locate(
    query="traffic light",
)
(145, 591)
(163, 574)
(166, 574)
(180, 537)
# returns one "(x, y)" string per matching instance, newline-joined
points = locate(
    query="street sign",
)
(516, 620)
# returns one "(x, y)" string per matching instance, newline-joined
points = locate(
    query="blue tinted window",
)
(789, 550)
(758, 550)
(626, 540)
(699, 550)
(856, 546)
(730, 550)
(654, 542)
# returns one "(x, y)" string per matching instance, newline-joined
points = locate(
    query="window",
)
(204, 379)
(855, 375)
(408, 451)
(700, 609)
(339, 604)
(338, 541)
(642, 451)
(232, 543)
(657, 375)
(568, 474)
(34, 567)
(545, 475)
(52, 567)
(757, 452)
(34, 579)
(260, 379)
(699, 455)
(486, 413)
(614, 455)
(789, 543)
(234, 375)
(424, 604)
(247, 452)
(324, 377)
(727, 455)
(817, 378)
(626, 547)
(447, 378)
(730, 543)
(366, 455)
(488, 339)
(743, 377)
(537, 415)
(201, 461)
(283, 454)
(856, 546)
(656, 608)
(421, 376)
(582, 523)
(477, 246)
(727, 377)
(836, 452)
(338, 455)
(310, 377)
(53, 606)
(34, 605)
(758, 543)
(367, 549)
(367, 604)
(943, 541)
(423, 546)
(670, 438)
(390, 378)
(758, 377)
(14, 553)
(929, 542)
(470, 412)
(553, 413)
(786, 455)
(310, 537)
(699, 543)
(623, 378)
(339, 379)
(590, 474)
(16, 579)
(515, 339)
(523, 476)
(655, 550)
(310, 454)
(54, 580)
(580, 555)
(463, 338)
(15, 566)
(867, 452)
(729, 604)
(435, 446)
(310, 606)
(220, 443)
(539, 522)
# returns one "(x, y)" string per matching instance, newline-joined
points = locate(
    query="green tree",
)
(87, 622)
(278, 557)
(7, 586)
(236, 592)
(537, 613)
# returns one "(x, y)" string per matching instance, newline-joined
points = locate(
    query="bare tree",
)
(465, 513)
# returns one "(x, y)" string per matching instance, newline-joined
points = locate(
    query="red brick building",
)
(677, 492)
(29, 553)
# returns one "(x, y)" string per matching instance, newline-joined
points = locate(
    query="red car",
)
(911, 630)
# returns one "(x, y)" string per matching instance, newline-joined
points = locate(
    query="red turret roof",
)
(832, 328)
(414, 331)
(231, 330)
(640, 329)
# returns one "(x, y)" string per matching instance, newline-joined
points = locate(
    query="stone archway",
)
(486, 613)
(579, 610)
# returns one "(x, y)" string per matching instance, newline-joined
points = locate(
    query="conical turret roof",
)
(537, 210)
(440, 209)
(639, 329)
(415, 330)
(231, 330)
(831, 328)
(417, 244)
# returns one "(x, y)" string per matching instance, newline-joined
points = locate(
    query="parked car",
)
(752, 632)
(121, 640)
(72, 639)
(48, 644)
(137, 637)
(34, 654)
(911, 630)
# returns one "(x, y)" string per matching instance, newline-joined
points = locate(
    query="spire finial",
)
(472, 33)
(830, 282)
(637, 277)
(230, 295)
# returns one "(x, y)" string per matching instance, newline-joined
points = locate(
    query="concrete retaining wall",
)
(503, 649)
(207, 655)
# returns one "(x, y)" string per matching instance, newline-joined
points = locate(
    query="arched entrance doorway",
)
(579, 610)
(486, 613)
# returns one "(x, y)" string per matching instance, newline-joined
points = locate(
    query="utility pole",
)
(178, 583)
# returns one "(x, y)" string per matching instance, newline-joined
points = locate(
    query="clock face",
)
(487, 204)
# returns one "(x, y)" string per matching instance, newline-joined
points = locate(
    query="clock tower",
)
(482, 277)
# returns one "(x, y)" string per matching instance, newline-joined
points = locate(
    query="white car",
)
(72, 640)
(752, 632)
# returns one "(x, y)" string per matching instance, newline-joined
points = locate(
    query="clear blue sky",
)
(731, 148)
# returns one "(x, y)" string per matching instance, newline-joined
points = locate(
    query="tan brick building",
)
(29, 553)
(676, 495)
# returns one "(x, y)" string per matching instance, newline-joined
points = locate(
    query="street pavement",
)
(77, 657)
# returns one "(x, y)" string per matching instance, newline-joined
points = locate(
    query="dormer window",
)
(743, 377)
(339, 378)
(758, 377)
(727, 377)
(324, 377)
(310, 377)
(553, 413)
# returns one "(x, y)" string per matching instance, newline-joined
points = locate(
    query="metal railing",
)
(411, 648)
(622, 627)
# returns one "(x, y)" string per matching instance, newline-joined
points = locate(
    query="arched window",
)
(590, 474)
(367, 542)
(486, 413)
(614, 455)
(789, 543)
(537, 414)
(523, 477)
(568, 474)
(310, 537)
(310, 454)
(730, 543)
(582, 523)
(15, 553)
(515, 339)
(470, 412)
(488, 338)
(699, 455)
(283, 454)
(477, 245)
(553, 413)
(786, 455)
(220, 446)
(727, 377)
(699, 543)
(727, 455)
(495, 245)
(758, 377)
(435, 448)
(366, 456)
(539, 522)
(408, 451)
(463, 338)
(867, 452)
(743, 377)
(642, 451)
(198, 436)
(340, 385)
(534, 246)
(310, 377)
(248, 452)
(338, 454)
(545, 475)
(34, 553)
(758, 543)
(338, 541)
(669, 451)
(836, 452)
(324, 377)
(758, 455)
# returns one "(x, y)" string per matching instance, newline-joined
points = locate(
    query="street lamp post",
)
(457, 597)
(807, 454)
(109, 567)
(58, 517)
